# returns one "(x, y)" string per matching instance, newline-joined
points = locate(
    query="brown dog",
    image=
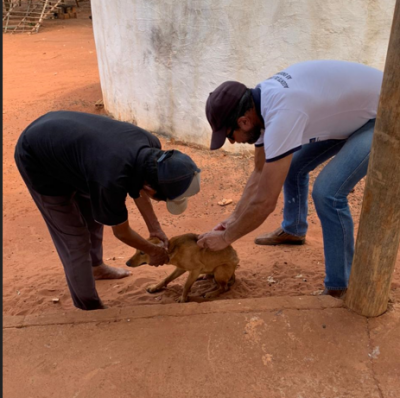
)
(187, 256)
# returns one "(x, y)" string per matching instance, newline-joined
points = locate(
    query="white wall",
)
(159, 60)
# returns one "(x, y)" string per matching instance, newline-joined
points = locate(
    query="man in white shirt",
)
(298, 119)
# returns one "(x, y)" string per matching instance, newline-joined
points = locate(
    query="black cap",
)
(220, 104)
(175, 173)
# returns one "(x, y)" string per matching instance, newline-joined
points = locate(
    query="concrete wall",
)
(159, 60)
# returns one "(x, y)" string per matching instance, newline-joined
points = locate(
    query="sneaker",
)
(279, 237)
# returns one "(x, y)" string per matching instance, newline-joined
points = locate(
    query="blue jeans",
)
(333, 184)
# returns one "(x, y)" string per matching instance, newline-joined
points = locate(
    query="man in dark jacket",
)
(79, 169)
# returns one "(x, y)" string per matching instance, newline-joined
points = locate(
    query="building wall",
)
(159, 60)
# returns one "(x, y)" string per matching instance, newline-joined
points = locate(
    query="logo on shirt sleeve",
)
(280, 80)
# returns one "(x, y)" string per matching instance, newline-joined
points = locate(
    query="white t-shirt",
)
(316, 101)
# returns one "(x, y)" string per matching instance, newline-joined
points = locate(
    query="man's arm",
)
(263, 203)
(252, 183)
(123, 232)
(258, 208)
(249, 190)
(145, 207)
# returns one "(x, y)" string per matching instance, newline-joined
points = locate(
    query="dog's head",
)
(140, 257)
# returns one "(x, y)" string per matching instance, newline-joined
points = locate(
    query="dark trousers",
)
(78, 239)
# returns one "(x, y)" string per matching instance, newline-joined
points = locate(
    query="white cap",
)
(178, 205)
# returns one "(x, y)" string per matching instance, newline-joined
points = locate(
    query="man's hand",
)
(158, 256)
(213, 241)
(146, 210)
(160, 235)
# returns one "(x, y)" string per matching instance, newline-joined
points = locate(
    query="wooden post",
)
(379, 230)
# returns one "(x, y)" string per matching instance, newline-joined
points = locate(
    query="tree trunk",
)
(379, 231)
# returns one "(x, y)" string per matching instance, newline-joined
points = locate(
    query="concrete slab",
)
(113, 314)
(259, 348)
(385, 351)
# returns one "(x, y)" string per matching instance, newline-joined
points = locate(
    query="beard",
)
(253, 135)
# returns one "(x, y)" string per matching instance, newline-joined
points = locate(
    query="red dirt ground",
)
(57, 69)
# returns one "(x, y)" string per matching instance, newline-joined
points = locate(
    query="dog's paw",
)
(182, 300)
(152, 289)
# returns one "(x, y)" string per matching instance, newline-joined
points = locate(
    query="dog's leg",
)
(222, 276)
(217, 286)
(205, 277)
(193, 275)
(232, 280)
(175, 274)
